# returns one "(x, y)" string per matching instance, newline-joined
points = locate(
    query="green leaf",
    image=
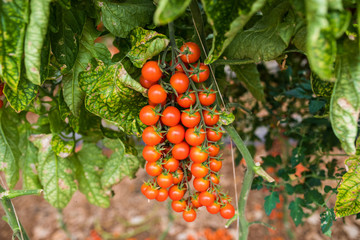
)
(327, 217)
(320, 87)
(250, 76)
(320, 43)
(122, 17)
(299, 39)
(226, 118)
(348, 197)
(316, 105)
(227, 18)
(339, 22)
(13, 18)
(297, 156)
(169, 10)
(9, 148)
(56, 123)
(35, 39)
(145, 44)
(267, 38)
(65, 40)
(56, 174)
(296, 211)
(120, 164)
(30, 176)
(112, 94)
(345, 104)
(89, 164)
(314, 196)
(60, 147)
(270, 202)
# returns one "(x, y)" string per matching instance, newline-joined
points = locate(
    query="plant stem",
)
(10, 194)
(233, 61)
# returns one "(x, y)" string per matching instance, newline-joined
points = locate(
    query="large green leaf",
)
(65, 35)
(227, 18)
(144, 45)
(73, 95)
(56, 174)
(112, 94)
(122, 17)
(345, 104)
(13, 20)
(9, 146)
(321, 43)
(250, 76)
(35, 39)
(168, 10)
(348, 197)
(120, 164)
(30, 175)
(267, 38)
(89, 164)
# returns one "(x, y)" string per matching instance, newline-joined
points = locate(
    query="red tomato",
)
(171, 164)
(144, 187)
(178, 205)
(215, 165)
(151, 71)
(163, 195)
(199, 170)
(207, 98)
(164, 180)
(200, 74)
(190, 119)
(178, 67)
(198, 155)
(206, 198)
(170, 116)
(191, 52)
(212, 135)
(195, 200)
(157, 94)
(178, 175)
(146, 83)
(193, 138)
(151, 137)
(180, 82)
(186, 100)
(151, 192)
(176, 134)
(153, 168)
(213, 208)
(210, 119)
(155, 104)
(151, 154)
(228, 211)
(180, 151)
(189, 215)
(176, 193)
(213, 150)
(201, 184)
(214, 178)
(148, 115)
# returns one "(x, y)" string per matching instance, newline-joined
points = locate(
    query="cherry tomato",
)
(228, 211)
(178, 67)
(153, 168)
(155, 104)
(201, 184)
(191, 52)
(186, 100)
(171, 164)
(148, 115)
(176, 193)
(199, 170)
(151, 154)
(163, 195)
(189, 215)
(190, 120)
(213, 208)
(180, 151)
(202, 74)
(178, 175)
(206, 99)
(157, 94)
(206, 198)
(193, 138)
(212, 135)
(164, 180)
(176, 134)
(214, 178)
(170, 116)
(195, 200)
(151, 71)
(151, 192)
(146, 83)
(215, 165)
(178, 205)
(213, 150)
(198, 155)
(151, 137)
(144, 187)
(210, 119)
(180, 82)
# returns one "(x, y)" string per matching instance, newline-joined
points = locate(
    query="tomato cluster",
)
(1, 93)
(182, 135)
